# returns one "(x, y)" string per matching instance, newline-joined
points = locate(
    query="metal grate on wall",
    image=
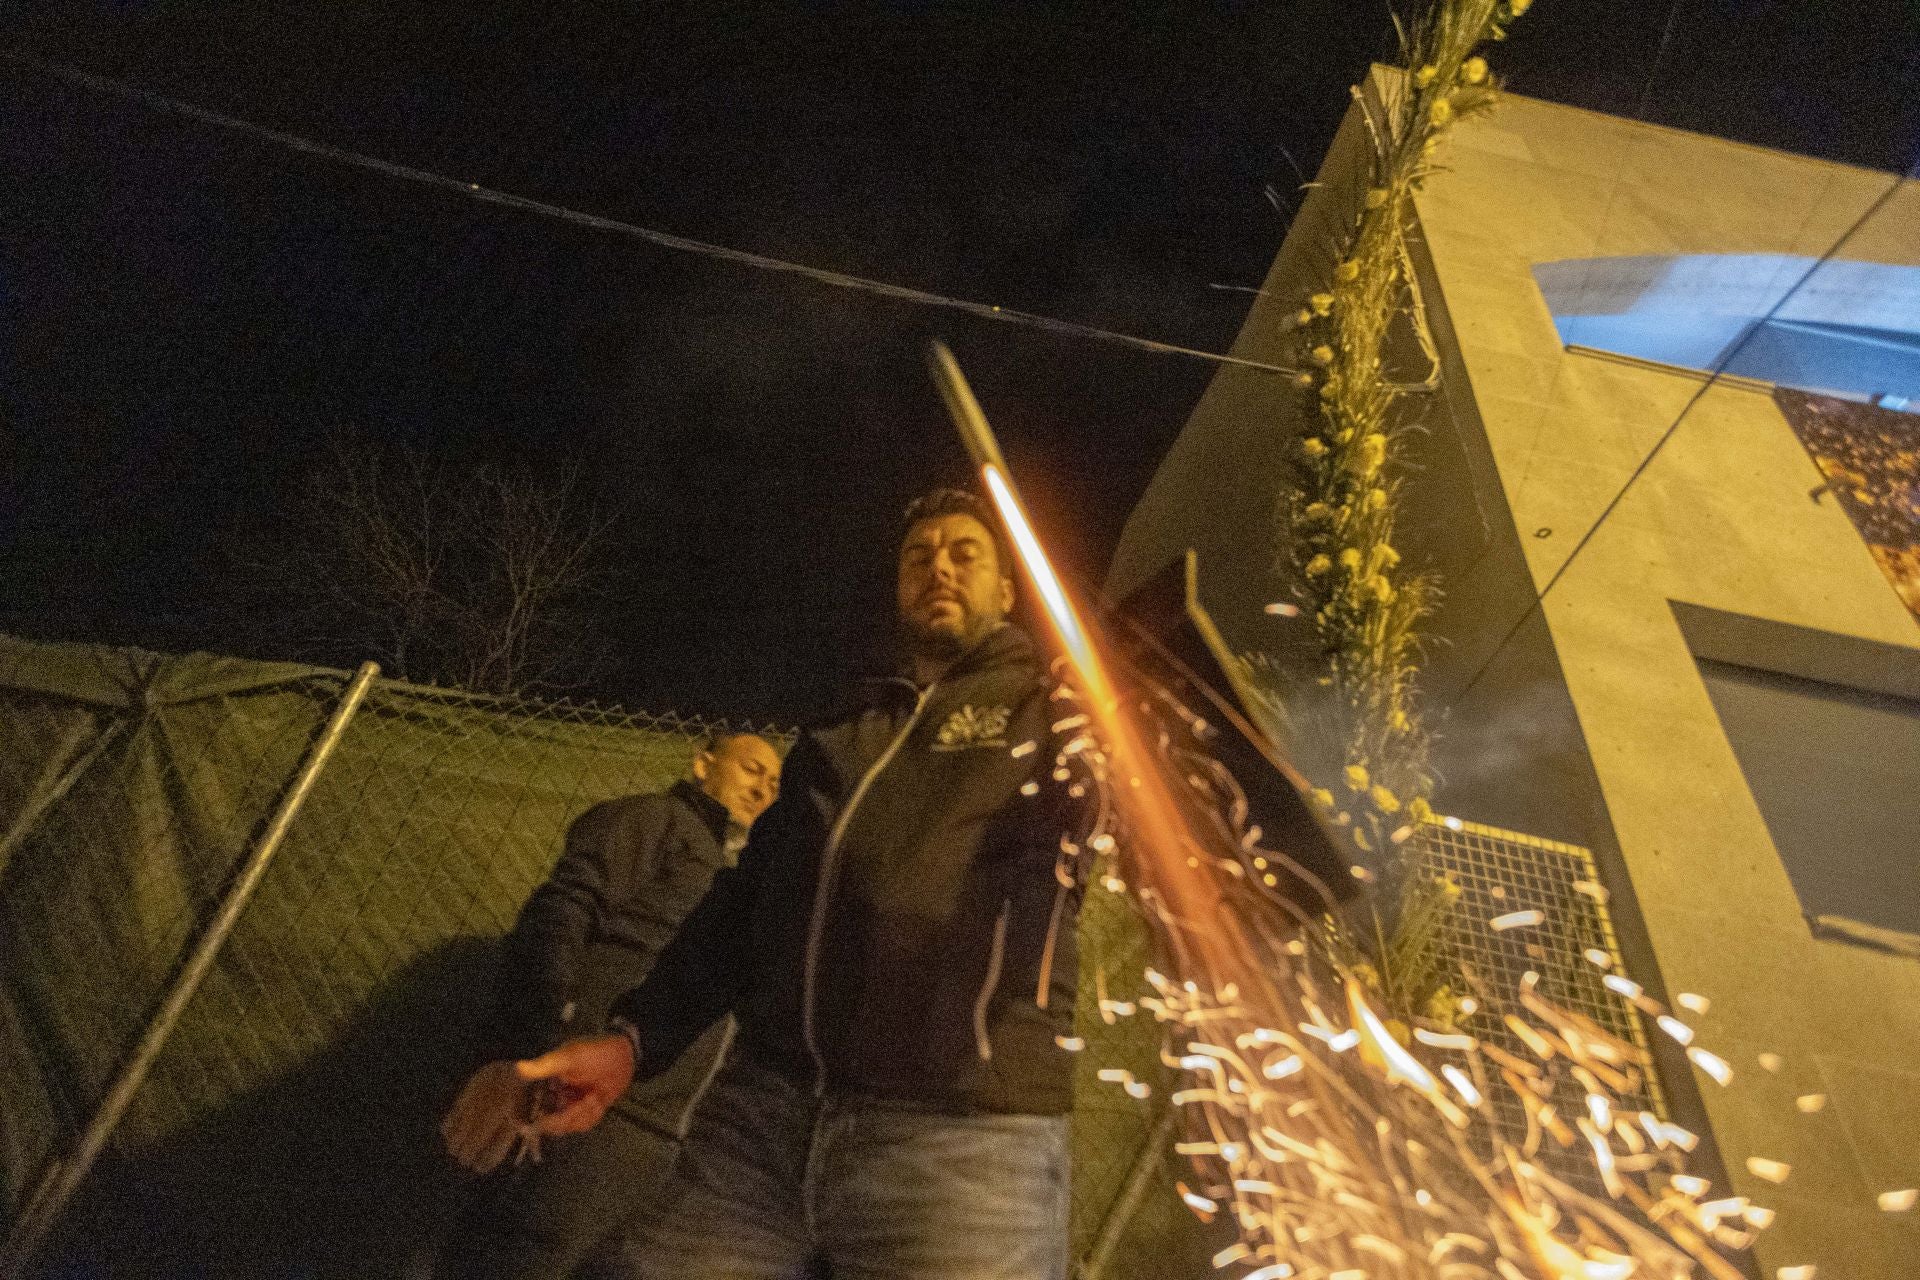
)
(1500, 872)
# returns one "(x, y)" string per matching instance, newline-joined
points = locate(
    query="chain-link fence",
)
(286, 1125)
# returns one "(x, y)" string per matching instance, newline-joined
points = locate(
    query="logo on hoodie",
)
(973, 726)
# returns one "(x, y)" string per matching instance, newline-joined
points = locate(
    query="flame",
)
(1319, 1154)
(1059, 609)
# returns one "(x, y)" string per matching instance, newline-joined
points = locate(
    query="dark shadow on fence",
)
(334, 1170)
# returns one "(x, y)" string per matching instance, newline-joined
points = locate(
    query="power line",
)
(596, 222)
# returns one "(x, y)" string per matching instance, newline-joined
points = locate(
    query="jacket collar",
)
(712, 814)
(1007, 645)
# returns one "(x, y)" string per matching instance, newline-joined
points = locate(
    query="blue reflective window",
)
(1842, 327)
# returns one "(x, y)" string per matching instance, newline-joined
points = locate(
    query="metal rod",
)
(1145, 1165)
(64, 1174)
(51, 795)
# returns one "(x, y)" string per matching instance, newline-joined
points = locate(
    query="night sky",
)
(185, 314)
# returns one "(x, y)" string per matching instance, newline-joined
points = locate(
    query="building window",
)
(1835, 771)
(1841, 327)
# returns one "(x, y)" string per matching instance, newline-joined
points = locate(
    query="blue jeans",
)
(777, 1184)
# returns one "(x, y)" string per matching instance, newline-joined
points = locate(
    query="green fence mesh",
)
(287, 1127)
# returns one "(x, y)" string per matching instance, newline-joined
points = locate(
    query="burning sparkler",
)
(1344, 1144)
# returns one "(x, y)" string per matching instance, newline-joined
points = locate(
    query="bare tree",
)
(479, 577)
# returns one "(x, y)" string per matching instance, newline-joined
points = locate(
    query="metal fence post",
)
(64, 1174)
(51, 794)
(1114, 1226)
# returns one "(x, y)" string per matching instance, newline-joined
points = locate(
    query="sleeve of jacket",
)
(701, 974)
(609, 848)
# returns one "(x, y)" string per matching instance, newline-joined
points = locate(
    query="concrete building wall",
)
(1588, 719)
(1721, 520)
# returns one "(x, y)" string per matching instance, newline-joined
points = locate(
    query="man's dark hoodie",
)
(897, 927)
(631, 870)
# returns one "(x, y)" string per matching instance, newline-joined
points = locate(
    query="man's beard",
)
(942, 645)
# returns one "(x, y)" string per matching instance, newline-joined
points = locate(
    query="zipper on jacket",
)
(822, 893)
(995, 959)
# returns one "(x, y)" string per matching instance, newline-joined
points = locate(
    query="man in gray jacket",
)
(631, 870)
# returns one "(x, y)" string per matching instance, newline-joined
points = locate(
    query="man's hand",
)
(488, 1116)
(581, 1079)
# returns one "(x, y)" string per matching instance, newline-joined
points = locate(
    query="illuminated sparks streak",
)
(1898, 1201)
(1771, 1170)
(1692, 1003)
(1516, 920)
(1281, 1068)
(1711, 1063)
(1679, 1030)
(1811, 1103)
(1622, 986)
(1310, 1148)
(1231, 1254)
(1198, 1203)
(1462, 1085)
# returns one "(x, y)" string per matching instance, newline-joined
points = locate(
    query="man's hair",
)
(959, 502)
(719, 738)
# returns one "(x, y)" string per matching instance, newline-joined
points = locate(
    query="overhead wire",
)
(615, 226)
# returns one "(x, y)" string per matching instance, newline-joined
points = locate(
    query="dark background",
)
(185, 314)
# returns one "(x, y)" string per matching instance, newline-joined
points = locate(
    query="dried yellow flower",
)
(1347, 272)
(1323, 797)
(1375, 499)
(1356, 777)
(1419, 811)
(1518, 7)
(1376, 197)
(1317, 511)
(1322, 303)
(1425, 75)
(1441, 114)
(1382, 589)
(1322, 355)
(1318, 566)
(1302, 318)
(1384, 800)
(1474, 70)
(1314, 447)
(1350, 558)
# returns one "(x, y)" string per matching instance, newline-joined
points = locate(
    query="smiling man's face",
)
(952, 589)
